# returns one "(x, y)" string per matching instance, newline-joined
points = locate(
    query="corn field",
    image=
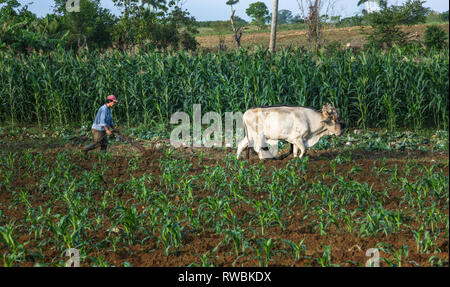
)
(370, 89)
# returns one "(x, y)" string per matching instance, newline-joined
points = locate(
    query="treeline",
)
(364, 19)
(154, 23)
(286, 18)
(161, 24)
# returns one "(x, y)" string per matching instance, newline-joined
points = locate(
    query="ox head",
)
(331, 120)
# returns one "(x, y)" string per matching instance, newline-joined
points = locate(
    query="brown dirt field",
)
(347, 248)
(296, 38)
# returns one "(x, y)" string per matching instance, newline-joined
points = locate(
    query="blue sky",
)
(208, 10)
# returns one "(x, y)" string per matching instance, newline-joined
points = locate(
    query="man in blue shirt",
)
(103, 125)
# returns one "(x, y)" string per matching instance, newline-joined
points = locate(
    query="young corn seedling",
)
(263, 215)
(333, 164)
(113, 240)
(171, 236)
(355, 170)
(398, 254)
(298, 250)
(323, 222)
(37, 222)
(194, 220)
(100, 261)
(325, 260)
(234, 191)
(426, 243)
(229, 215)
(277, 214)
(437, 262)
(8, 176)
(395, 178)
(133, 164)
(128, 219)
(208, 259)
(237, 237)
(265, 251)
(10, 160)
(16, 251)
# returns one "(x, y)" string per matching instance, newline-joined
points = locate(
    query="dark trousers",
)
(100, 138)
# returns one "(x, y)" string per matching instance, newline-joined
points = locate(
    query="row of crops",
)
(370, 89)
(252, 213)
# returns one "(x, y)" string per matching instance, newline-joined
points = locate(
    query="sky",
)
(210, 10)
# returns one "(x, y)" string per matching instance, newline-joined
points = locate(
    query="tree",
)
(155, 22)
(184, 26)
(335, 19)
(125, 30)
(297, 19)
(137, 19)
(356, 20)
(444, 16)
(259, 13)
(385, 23)
(285, 16)
(9, 9)
(273, 30)
(22, 31)
(237, 29)
(93, 25)
(311, 11)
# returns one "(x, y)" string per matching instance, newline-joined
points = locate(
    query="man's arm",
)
(108, 132)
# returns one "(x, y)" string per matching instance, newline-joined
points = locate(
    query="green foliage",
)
(148, 23)
(259, 13)
(285, 16)
(399, 90)
(22, 31)
(297, 19)
(154, 216)
(444, 16)
(356, 20)
(385, 23)
(434, 17)
(157, 24)
(92, 26)
(435, 37)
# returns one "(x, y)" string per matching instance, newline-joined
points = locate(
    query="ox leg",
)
(264, 151)
(294, 150)
(241, 146)
(298, 144)
(258, 144)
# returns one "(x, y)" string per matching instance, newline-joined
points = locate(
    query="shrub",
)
(385, 23)
(435, 37)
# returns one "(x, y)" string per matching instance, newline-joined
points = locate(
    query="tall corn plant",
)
(370, 89)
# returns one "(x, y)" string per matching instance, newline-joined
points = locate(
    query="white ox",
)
(300, 126)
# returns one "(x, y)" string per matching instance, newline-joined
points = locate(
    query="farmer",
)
(103, 125)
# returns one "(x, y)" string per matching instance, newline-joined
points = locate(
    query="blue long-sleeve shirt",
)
(103, 118)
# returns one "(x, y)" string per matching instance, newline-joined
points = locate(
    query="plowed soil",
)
(348, 249)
